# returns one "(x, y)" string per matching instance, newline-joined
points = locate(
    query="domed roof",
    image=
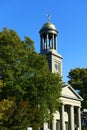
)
(48, 26)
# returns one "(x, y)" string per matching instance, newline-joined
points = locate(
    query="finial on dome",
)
(48, 17)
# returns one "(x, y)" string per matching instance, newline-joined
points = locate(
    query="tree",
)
(78, 80)
(29, 92)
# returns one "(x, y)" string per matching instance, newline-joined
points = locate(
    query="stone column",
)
(62, 122)
(45, 126)
(56, 41)
(54, 124)
(72, 117)
(47, 42)
(79, 118)
(52, 41)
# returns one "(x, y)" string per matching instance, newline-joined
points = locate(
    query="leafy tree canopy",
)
(29, 92)
(78, 80)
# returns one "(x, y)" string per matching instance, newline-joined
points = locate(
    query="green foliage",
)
(78, 80)
(29, 92)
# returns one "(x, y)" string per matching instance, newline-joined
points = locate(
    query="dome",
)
(48, 27)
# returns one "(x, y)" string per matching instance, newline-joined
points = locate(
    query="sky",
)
(27, 17)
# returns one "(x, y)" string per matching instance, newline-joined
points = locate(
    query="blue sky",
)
(69, 16)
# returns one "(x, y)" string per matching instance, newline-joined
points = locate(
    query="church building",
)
(69, 115)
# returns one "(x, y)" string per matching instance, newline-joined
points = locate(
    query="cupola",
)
(48, 37)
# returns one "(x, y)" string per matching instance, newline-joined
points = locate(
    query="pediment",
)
(69, 92)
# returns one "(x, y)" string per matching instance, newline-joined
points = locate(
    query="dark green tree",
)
(29, 92)
(78, 80)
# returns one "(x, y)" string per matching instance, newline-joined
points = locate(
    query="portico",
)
(69, 115)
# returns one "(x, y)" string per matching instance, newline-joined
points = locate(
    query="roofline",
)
(73, 90)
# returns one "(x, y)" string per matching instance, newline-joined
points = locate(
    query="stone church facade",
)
(69, 115)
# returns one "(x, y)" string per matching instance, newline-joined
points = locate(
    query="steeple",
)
(48, 46)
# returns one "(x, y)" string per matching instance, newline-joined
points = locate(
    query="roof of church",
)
(70, 94)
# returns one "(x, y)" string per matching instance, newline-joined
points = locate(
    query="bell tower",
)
(48, 46)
